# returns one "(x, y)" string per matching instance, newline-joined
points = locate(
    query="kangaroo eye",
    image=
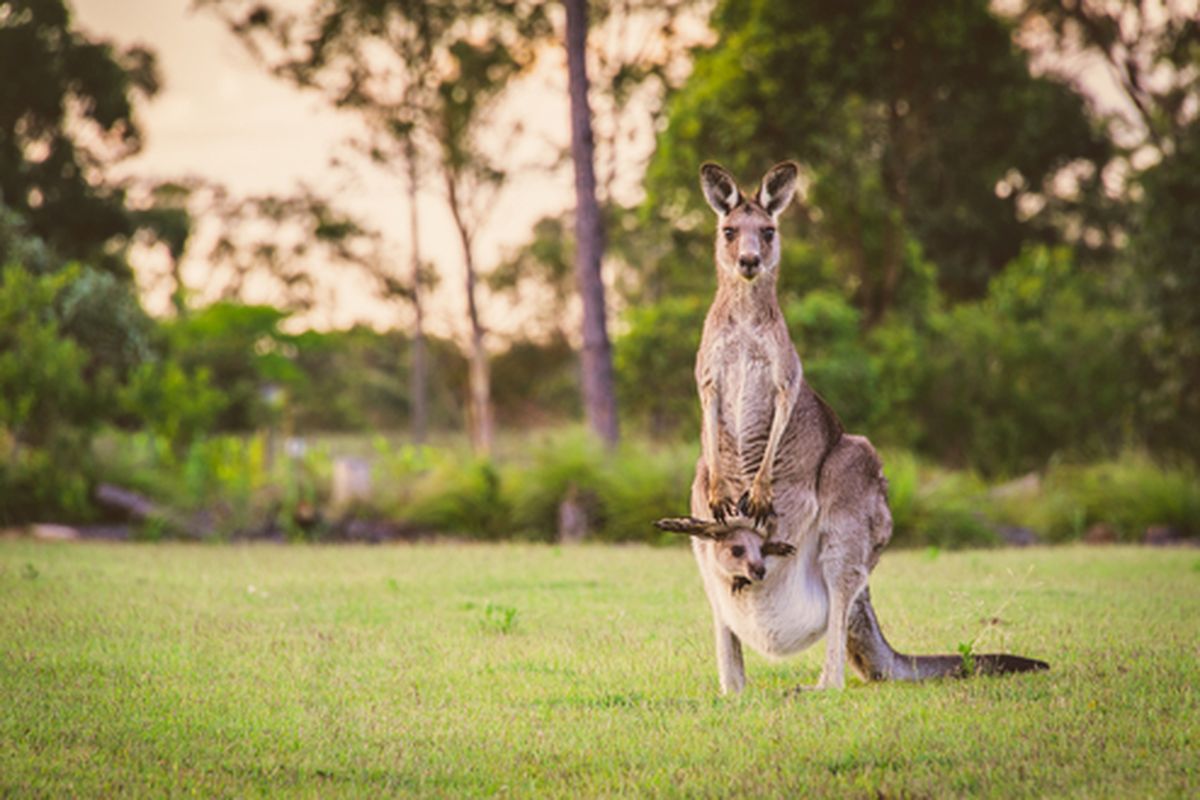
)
(768, 234)
(730, 233)
(738, 551)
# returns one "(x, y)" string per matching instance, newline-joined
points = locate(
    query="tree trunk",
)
(179, 291)
(479, 379)
(599, 396)
(417, 369)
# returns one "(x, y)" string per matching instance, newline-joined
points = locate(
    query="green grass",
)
(450, 670)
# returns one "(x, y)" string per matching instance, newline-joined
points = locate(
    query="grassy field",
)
(450, 670)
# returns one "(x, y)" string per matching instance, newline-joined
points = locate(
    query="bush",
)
(1129, 495)
(170, 401)
(1038, 368)
(47, 411)
(936, 507)
(461, 496)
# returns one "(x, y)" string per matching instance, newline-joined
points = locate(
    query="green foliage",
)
(837, 364)
(654, 361)
(172, 402)
(66, 111)
(242, 350)
(359, 379)
(41, 370)
(932, 507)
(536, 383)
(47, 412)
(1041, 366)
(619, 492)
(461, 496)
(967, 651)
(555, 468)
(906, 116)
(1166, 249)
(104, 315)
(499, 618)
(1128, 495)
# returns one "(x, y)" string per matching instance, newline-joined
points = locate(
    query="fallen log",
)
(143, 509)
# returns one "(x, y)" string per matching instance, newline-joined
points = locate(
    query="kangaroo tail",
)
(872, 656)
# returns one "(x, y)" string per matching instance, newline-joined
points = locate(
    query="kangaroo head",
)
(740, 550)
(747, 245)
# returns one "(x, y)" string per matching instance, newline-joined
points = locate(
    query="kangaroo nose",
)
(758, 571)
(748, 265)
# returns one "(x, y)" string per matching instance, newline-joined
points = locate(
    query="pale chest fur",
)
(746, 365)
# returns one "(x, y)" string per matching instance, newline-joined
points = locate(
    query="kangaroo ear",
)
(720, 189)
(778, 187)
(705, 529)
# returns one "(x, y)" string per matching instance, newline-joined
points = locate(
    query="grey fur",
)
(776, 458)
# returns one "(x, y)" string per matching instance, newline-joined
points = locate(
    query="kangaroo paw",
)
(754, 506)
(721, 508)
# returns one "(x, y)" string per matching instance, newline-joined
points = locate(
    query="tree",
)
(599, 396)
(423, 77)
(917, 123)
(1151, 50)
(67, 110)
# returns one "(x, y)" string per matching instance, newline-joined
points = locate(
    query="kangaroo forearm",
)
(708, 407)
(784, 403)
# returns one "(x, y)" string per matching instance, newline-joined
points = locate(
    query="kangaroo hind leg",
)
(844, 569)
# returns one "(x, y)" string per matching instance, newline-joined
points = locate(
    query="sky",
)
(221, 117)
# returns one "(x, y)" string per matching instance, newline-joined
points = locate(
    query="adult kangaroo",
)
(796, 508)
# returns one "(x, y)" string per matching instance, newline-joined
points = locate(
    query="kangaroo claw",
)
(722, 508)
(760, 512)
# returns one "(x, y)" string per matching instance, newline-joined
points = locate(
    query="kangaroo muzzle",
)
(749, 265)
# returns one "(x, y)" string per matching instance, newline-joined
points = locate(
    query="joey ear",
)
(720, 189)
(777, 549)
(778, 187)
(691, 526)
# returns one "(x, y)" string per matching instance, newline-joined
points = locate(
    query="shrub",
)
(47, 410)
(936, 507)
(1128, 494)
(1040, 367)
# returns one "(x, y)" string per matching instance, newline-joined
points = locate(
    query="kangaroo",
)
(798, 507)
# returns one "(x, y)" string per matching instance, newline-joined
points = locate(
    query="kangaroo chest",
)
(745, 375)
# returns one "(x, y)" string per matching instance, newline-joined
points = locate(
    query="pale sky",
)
(221, 117)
